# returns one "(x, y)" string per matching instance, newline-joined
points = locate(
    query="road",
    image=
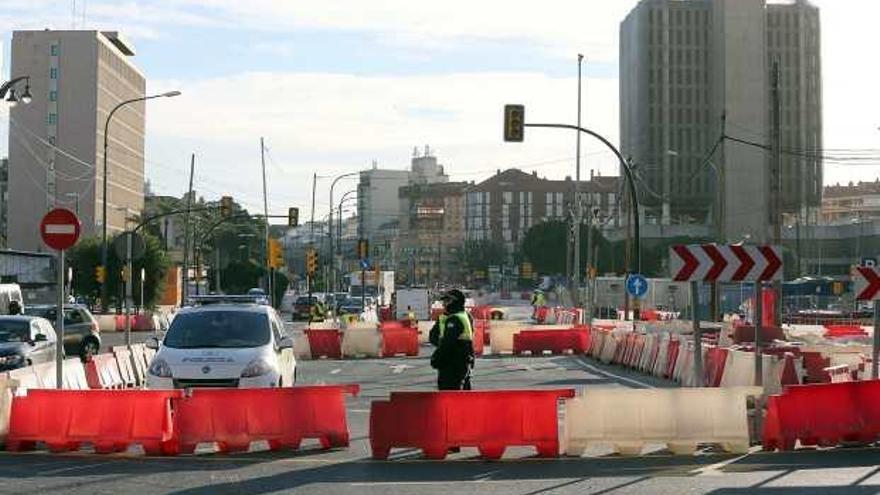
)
(351, 471)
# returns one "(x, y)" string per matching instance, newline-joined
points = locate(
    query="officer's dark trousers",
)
(454, 379)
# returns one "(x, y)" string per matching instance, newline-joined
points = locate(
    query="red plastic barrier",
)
(398, 339)
(110, 420)
(481, 335)
(789, 373)
(324, 343)
(385, 313)
(102, 372)
(555, 341)
(120, 323)
(143, 322)
(671, 357)
(541, 313)
(233, 418)
(650, 315)
(743, 334)
(823, 414)
(814, 367)
(842, 331)
(488, 420)
(716, 358)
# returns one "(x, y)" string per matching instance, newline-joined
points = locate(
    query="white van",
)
(9, 293)
(223, 345)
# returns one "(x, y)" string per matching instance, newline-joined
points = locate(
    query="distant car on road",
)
(81, 335)
(25, 340)
(349, 306)
(302, 307)
(223, 345)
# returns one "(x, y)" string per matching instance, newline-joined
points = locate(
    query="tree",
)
(86, 255)
(478, 255)
(545, 247)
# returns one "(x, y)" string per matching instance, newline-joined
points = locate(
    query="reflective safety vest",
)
(539, 300)
(468, 331)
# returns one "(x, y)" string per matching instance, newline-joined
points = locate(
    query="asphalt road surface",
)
(351, 471)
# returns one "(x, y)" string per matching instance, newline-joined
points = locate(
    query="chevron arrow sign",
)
(720, 263)
(867, 283)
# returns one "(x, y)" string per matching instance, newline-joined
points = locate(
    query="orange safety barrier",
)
(233, 418)
(814, 366)
(324, 342)
(398, 339)
(555, 341)
(491, 421)
(110, 420)
(102, 372)
(541, 313)
(844, 331)
(823, 414)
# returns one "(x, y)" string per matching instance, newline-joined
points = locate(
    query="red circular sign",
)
(60, 229)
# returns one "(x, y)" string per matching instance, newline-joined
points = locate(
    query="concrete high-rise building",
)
(694, 70)
(56, 142)
(378, 188)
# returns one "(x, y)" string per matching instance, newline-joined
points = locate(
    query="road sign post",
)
(867, 288)
(60, 230)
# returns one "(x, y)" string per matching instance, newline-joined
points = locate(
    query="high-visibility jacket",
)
(467, 332)
(538, 300)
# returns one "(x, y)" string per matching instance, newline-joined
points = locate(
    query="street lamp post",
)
(168, 94)
(330, 227)
(9, 87)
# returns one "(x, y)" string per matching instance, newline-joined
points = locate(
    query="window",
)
(53, 118)
(53, 95)
(53, 50)
(53, 73)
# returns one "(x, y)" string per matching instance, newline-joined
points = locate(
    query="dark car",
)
(25, 340)
(350, 306)
(302, 307)
(81, 335)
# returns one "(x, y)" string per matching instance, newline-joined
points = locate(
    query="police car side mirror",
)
(40, 337)
(152, 343)
(285, 343)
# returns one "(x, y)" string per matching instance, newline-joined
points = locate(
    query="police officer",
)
(538, 301)
(453, 335)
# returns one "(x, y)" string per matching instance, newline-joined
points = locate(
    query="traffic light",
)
(292, 217)
(514, 123)
(100, 274)
(311, 261)
(363, 249)
(276, 254)
(226, 206)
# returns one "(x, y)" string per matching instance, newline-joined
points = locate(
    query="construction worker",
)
(453, 335)
(538, 301)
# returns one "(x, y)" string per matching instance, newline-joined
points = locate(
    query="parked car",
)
(223, 345)
(25, 340)
(81, 335)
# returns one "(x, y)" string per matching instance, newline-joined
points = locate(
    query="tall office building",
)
(56, 142)
(692, 70)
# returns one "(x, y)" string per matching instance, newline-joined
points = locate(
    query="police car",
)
(222, 344)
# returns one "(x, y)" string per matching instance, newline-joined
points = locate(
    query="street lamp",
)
(330, 223)
(8, 87)
(168, 94)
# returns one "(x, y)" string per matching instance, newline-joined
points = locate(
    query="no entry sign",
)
(60, 229)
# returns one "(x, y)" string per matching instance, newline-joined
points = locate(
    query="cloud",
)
(332, 123)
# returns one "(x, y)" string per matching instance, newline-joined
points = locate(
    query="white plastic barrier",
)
(425, 331)
(681, 418)
(74, 375)
(650, 350)
(45, 373)
(301, 348)
(739, 370)
(609, 347)
(662, 356)
(106, 323)
(362, 340)
(7, 389)
(325, 325)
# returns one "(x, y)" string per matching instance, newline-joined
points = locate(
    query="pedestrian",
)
(538, 301)
(411, 317)
(14, 307)
(453, 336)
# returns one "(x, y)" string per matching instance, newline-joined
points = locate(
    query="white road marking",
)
(593, 369)
(713, 469)
(74, 468)
(336, 371)
(399, 368)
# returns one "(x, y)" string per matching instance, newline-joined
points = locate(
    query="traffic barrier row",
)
(491, 421)
(823, 414)
(844, 331)
(398, 339)
(147, 321)
(362, 339)
(501, 334)
(43, 376)
(169, 422)
(680, 418)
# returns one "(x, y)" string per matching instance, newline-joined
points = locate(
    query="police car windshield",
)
(221, 328)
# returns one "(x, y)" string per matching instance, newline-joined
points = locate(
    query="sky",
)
(332, 85)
